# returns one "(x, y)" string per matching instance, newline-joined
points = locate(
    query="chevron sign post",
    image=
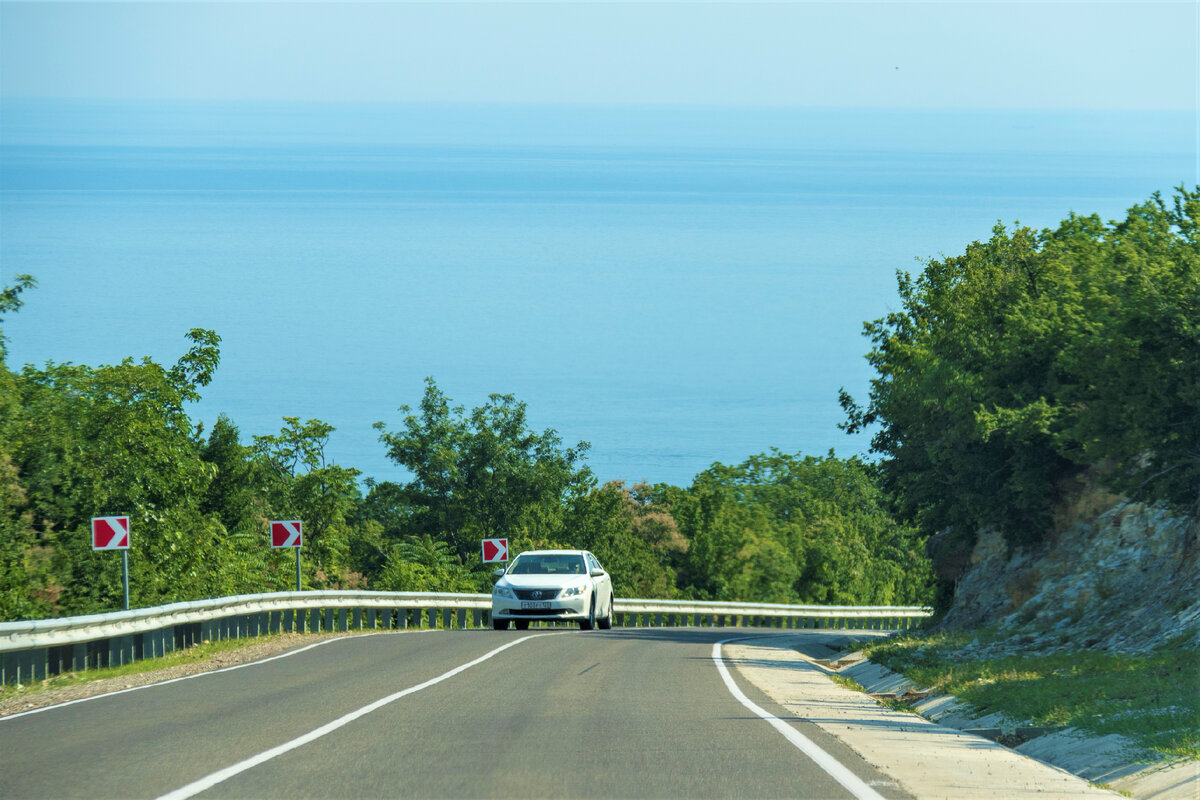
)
(112, 533)
(289, 533)
(495, 550)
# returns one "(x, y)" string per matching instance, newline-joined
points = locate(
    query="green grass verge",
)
(1152, 699)
(190, 655)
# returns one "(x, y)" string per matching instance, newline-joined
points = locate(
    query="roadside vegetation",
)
(1151, 699)
(1030, 359)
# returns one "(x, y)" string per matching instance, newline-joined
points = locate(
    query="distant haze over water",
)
(676, 286)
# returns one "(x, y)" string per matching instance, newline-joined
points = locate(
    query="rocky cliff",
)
(1112, 575)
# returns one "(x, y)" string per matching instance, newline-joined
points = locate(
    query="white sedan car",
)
(553, 584)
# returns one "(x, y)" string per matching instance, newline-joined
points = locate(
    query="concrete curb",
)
(1108, 760)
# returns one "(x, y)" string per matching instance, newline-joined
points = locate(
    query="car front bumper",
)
(578, 607)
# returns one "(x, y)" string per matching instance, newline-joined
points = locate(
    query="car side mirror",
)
(498, 574)
(596, 573)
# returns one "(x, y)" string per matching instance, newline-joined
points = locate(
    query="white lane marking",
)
(195, 787)
(855, 785)
(288, 654)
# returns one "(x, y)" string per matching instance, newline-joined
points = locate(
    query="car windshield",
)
(548, 565)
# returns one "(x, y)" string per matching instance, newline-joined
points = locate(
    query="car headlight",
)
(573, 591)
(503, 591)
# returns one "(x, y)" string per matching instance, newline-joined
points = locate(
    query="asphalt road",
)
(621, 713)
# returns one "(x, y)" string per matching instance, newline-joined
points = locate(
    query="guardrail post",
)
(658, 620)
(330, 620)
(120, 651)
(356, 624)
(341, 619)
(446, 613)
(476, 617)
(372, 615)
(31, 665)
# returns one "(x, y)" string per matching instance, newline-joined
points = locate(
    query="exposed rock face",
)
(1115, 575)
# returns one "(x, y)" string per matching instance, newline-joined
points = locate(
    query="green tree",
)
(116, 439)
(485, 474)
(785, 528)
(1033, 356)
(303, 484)
(632, 534)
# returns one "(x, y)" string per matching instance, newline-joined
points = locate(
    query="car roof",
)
(553, 553)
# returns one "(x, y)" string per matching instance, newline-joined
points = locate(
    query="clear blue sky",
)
(1073, 55)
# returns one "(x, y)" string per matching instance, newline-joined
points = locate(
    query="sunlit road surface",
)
(635, 713)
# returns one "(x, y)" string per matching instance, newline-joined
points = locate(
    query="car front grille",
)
(537, 594)
(536, 612)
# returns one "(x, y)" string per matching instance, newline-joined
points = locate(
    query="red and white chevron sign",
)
(286, 533)
(495, 550)
(110, 533)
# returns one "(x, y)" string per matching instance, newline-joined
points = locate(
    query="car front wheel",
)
(605, 622)
(500, 624)
(590, 622)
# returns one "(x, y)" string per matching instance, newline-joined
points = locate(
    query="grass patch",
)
(189, 655)
(847, 683)
(1153, 699)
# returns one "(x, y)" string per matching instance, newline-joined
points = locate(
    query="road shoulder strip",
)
(926, 759)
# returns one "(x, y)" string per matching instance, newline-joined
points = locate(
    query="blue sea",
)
(676, 286)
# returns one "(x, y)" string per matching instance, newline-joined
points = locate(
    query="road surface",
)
(621, 713)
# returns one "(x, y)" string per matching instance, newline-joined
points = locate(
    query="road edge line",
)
(834, 768)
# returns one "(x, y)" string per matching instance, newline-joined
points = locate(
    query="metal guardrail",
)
(35, 649)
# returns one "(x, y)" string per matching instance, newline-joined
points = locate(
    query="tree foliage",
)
(485, 474)
(1037, 354)
(785, 528)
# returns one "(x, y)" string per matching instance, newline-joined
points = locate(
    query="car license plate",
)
(534, 606)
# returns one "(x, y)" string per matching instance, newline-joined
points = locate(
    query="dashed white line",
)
(195, 787)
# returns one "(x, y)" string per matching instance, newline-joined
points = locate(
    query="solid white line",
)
(195, 787)
(288, 654)
(855, 785)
